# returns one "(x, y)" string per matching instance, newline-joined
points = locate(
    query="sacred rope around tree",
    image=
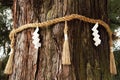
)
(67, 18)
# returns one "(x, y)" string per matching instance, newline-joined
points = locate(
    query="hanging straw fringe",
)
(66, 51)
(9, 65)
(113, 69)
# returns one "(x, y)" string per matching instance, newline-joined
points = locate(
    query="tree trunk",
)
(88, 62)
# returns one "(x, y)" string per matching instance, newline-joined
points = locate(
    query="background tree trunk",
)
(88, 62)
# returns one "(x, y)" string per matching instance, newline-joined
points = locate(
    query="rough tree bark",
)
(88, 62)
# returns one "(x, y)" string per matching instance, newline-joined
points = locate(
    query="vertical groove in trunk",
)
(88, 62)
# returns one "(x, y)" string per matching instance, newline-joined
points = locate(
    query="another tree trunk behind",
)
(88, 62)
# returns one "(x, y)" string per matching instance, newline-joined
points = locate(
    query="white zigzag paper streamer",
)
(96, 35)
(36, 39)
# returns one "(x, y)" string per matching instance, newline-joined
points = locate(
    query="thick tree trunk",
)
(88, 62)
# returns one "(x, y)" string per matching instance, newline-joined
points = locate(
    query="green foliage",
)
(117, 58)
(7, 3)
(114, 13)
(5, 27)
(114, 6)
(2, 66)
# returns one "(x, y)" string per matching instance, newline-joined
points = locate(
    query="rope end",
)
(113, 69)
(9, 68)
(66, 51)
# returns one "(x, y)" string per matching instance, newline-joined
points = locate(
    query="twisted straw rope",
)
(57, 20)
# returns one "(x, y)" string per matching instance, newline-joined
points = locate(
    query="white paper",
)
(66, 37)
(96, 36)
(36, 39)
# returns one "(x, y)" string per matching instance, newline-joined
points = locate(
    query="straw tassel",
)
(9, 65)
(113, 69)
(66, 51)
